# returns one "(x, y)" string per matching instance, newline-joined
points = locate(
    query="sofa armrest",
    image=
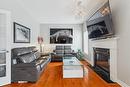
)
(25, 72)
(24, 65)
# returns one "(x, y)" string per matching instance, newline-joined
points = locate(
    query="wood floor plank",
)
(52, 77)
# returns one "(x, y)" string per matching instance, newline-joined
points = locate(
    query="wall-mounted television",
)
(99, 25)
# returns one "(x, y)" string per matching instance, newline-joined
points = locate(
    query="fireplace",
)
(102, 62)
(101, 58)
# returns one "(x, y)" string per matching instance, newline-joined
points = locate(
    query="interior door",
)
(5, 48)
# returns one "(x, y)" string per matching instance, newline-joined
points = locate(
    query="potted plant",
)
(80, 55)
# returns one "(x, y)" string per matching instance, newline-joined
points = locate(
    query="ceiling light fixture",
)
(80, 9)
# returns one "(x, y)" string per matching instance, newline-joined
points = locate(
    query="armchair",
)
(60, 52)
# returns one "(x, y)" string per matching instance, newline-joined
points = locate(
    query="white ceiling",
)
(51, 11)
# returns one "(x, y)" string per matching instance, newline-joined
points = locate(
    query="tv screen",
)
(97, 30)
(99, 25)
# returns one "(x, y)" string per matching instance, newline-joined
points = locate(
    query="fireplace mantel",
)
(110, 43)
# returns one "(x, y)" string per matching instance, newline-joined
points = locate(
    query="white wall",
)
(92, 6)
(121, 21)
(121, 18)
(85, 38)
(85, 43)
(77, 35)
(20, 15)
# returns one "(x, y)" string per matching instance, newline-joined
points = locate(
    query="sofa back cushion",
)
(27, 58)
(63, 50)
(67, 49)
(59, 50)
(59, 47)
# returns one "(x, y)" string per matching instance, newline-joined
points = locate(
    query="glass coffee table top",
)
(72, 68)
(71, 61)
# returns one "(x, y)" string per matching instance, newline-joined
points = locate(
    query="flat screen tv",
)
(99, 25)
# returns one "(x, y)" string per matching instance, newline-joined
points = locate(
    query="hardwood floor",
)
(52, 77)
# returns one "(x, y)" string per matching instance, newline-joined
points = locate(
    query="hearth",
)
(102, 63)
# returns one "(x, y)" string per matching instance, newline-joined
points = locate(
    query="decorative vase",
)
(40, 42)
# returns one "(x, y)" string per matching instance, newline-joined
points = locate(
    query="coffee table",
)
(72, 68)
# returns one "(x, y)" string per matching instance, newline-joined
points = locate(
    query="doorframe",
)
(7, 80)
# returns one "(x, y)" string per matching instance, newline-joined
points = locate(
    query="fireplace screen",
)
(101, 58)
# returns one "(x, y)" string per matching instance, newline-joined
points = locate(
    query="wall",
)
(77, 35)
(92, 6)
(20, 15)
(85, 43)
(121, 16)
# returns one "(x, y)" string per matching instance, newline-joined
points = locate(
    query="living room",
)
(44, 22)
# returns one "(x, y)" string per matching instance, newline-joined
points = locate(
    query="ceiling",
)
(53, 11)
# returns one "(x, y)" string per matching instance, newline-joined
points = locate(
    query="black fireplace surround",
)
(102, 63)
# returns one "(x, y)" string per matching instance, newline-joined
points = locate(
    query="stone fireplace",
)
(108, 44)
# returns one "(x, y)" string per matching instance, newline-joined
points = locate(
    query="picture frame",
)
(21, 33)
(61, 35)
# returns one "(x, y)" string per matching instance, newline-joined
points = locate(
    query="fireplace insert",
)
(101, 58)
(102, 63)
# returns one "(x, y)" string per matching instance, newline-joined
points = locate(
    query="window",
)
(85, 40)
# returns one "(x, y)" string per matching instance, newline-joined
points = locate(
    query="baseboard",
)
(122, 83)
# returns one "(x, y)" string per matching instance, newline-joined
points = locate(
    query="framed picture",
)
(61, 35)
(21, 33)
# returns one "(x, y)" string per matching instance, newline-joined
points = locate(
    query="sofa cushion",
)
(38, 62)
(27, 58)
(23, 50)
(43, 64)
(60, 54)
(37, 55)
(59, 47)
(59, 51)
(67, 47)
(68, 55)
(68, 51)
